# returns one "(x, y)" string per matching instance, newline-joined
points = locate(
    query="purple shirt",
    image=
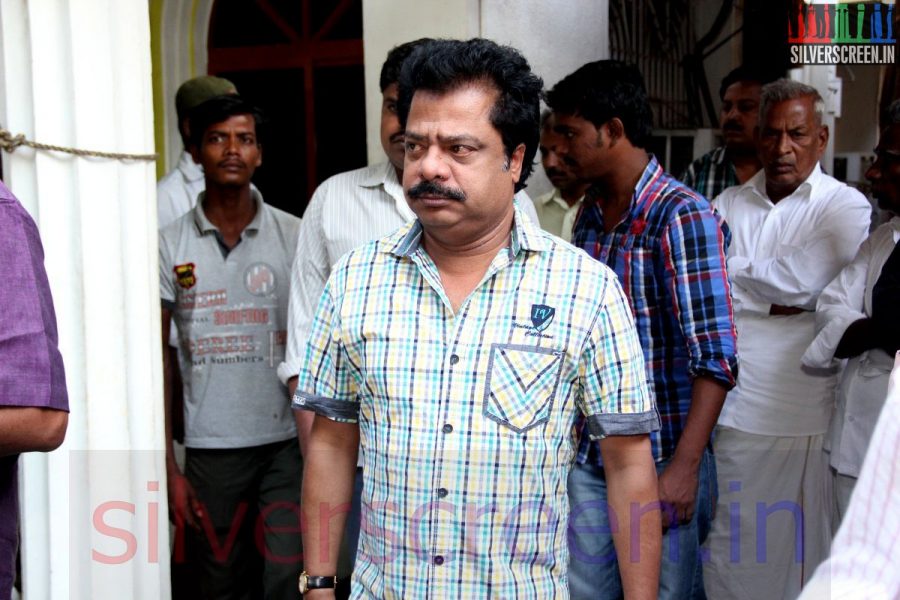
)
(31, 367)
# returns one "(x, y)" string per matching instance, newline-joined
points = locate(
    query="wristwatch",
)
(311, 582)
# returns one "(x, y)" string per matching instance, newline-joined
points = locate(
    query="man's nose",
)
(433, 164)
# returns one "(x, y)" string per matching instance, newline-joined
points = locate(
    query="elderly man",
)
(855, 322)
(736, 161)
(667, 247)
(557, 208)
(794, 229)
(460, 350)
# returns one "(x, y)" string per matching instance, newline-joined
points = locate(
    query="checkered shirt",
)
(669, 254)
(710, 174)
(466, 419)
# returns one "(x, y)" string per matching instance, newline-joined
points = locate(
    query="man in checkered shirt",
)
(460, 351)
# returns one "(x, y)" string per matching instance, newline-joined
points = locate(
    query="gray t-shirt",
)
(231, 313)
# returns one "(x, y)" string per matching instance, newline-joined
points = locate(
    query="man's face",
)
(457, 177)
(391, 132)
(885, 171)
(581, 147)
(790, 144)
(559, 174)
(739, 115)
(229, 152)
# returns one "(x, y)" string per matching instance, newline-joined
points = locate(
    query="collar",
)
(525, 236)
(190, 170)
(895, 226)
(204, 225)
(757, 184)
(384, 175)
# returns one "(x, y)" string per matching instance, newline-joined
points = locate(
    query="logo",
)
(185, 275)
(259, 279)
(838, 33)
(542, 316)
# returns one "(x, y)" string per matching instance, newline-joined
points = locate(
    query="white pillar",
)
(77, 73)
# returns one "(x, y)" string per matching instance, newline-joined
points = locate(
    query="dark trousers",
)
(249, 546)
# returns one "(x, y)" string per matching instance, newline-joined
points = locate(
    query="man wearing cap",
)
(177, 191)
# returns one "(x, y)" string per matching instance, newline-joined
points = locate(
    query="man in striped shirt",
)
(668, 249)
(459, 350)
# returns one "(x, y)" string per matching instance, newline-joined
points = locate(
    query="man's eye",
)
(391, 108)
(461, 150)
(411, 146)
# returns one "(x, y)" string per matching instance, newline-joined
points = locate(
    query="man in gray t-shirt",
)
(224, 273)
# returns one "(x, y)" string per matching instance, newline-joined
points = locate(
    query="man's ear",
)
(259, 157)
(515, 163)
(615, 129)
(823, 139)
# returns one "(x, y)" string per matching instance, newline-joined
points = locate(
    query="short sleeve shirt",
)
(31, 366)
(231, 312)
(466, 418)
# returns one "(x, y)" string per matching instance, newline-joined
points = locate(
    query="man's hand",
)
(325, 594)
(678, 492)
(782, 311)
(184, 506)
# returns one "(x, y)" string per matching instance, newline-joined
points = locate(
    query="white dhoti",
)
(772, 523)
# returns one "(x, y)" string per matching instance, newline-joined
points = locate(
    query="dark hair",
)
(445, 65)
(390, 70)
(606, 89)
(746, 73)
(218, 109)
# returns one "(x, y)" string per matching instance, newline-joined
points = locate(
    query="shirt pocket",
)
(521, 385)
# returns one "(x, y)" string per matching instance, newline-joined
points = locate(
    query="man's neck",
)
(230, 209)
(462, 263)
(615, 191)
(746, 162)
(573, 194)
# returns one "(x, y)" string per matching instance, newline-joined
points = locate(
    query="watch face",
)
(304, 583)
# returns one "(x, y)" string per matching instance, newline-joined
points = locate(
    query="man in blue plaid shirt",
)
(668, 248)
(460, 351)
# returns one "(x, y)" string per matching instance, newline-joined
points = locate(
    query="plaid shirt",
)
(669, 254)
(466, 420)
(710, 174)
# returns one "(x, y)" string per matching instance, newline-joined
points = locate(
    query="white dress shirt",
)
(865, 378)
(346, 211)
(555, 214)
(785, 253)
(863, 561)
(177, 191)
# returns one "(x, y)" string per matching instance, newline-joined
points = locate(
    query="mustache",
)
(430, 188)
(551, 172)
(732, 126)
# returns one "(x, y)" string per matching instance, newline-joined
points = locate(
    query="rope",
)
(10, 142)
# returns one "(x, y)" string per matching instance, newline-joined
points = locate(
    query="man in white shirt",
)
(346, 211)
(557, 209)
(177, 191)
(863, 561)
(794, 228)
(850, 327)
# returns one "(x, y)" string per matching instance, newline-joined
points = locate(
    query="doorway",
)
(301, 62)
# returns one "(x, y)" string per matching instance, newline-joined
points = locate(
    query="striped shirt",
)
(466, 419)
(669, 254)
(710, 174)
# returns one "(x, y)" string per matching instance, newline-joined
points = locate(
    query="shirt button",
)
(442, 493)
(438, 560)
(454, 359)
(447, 428)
